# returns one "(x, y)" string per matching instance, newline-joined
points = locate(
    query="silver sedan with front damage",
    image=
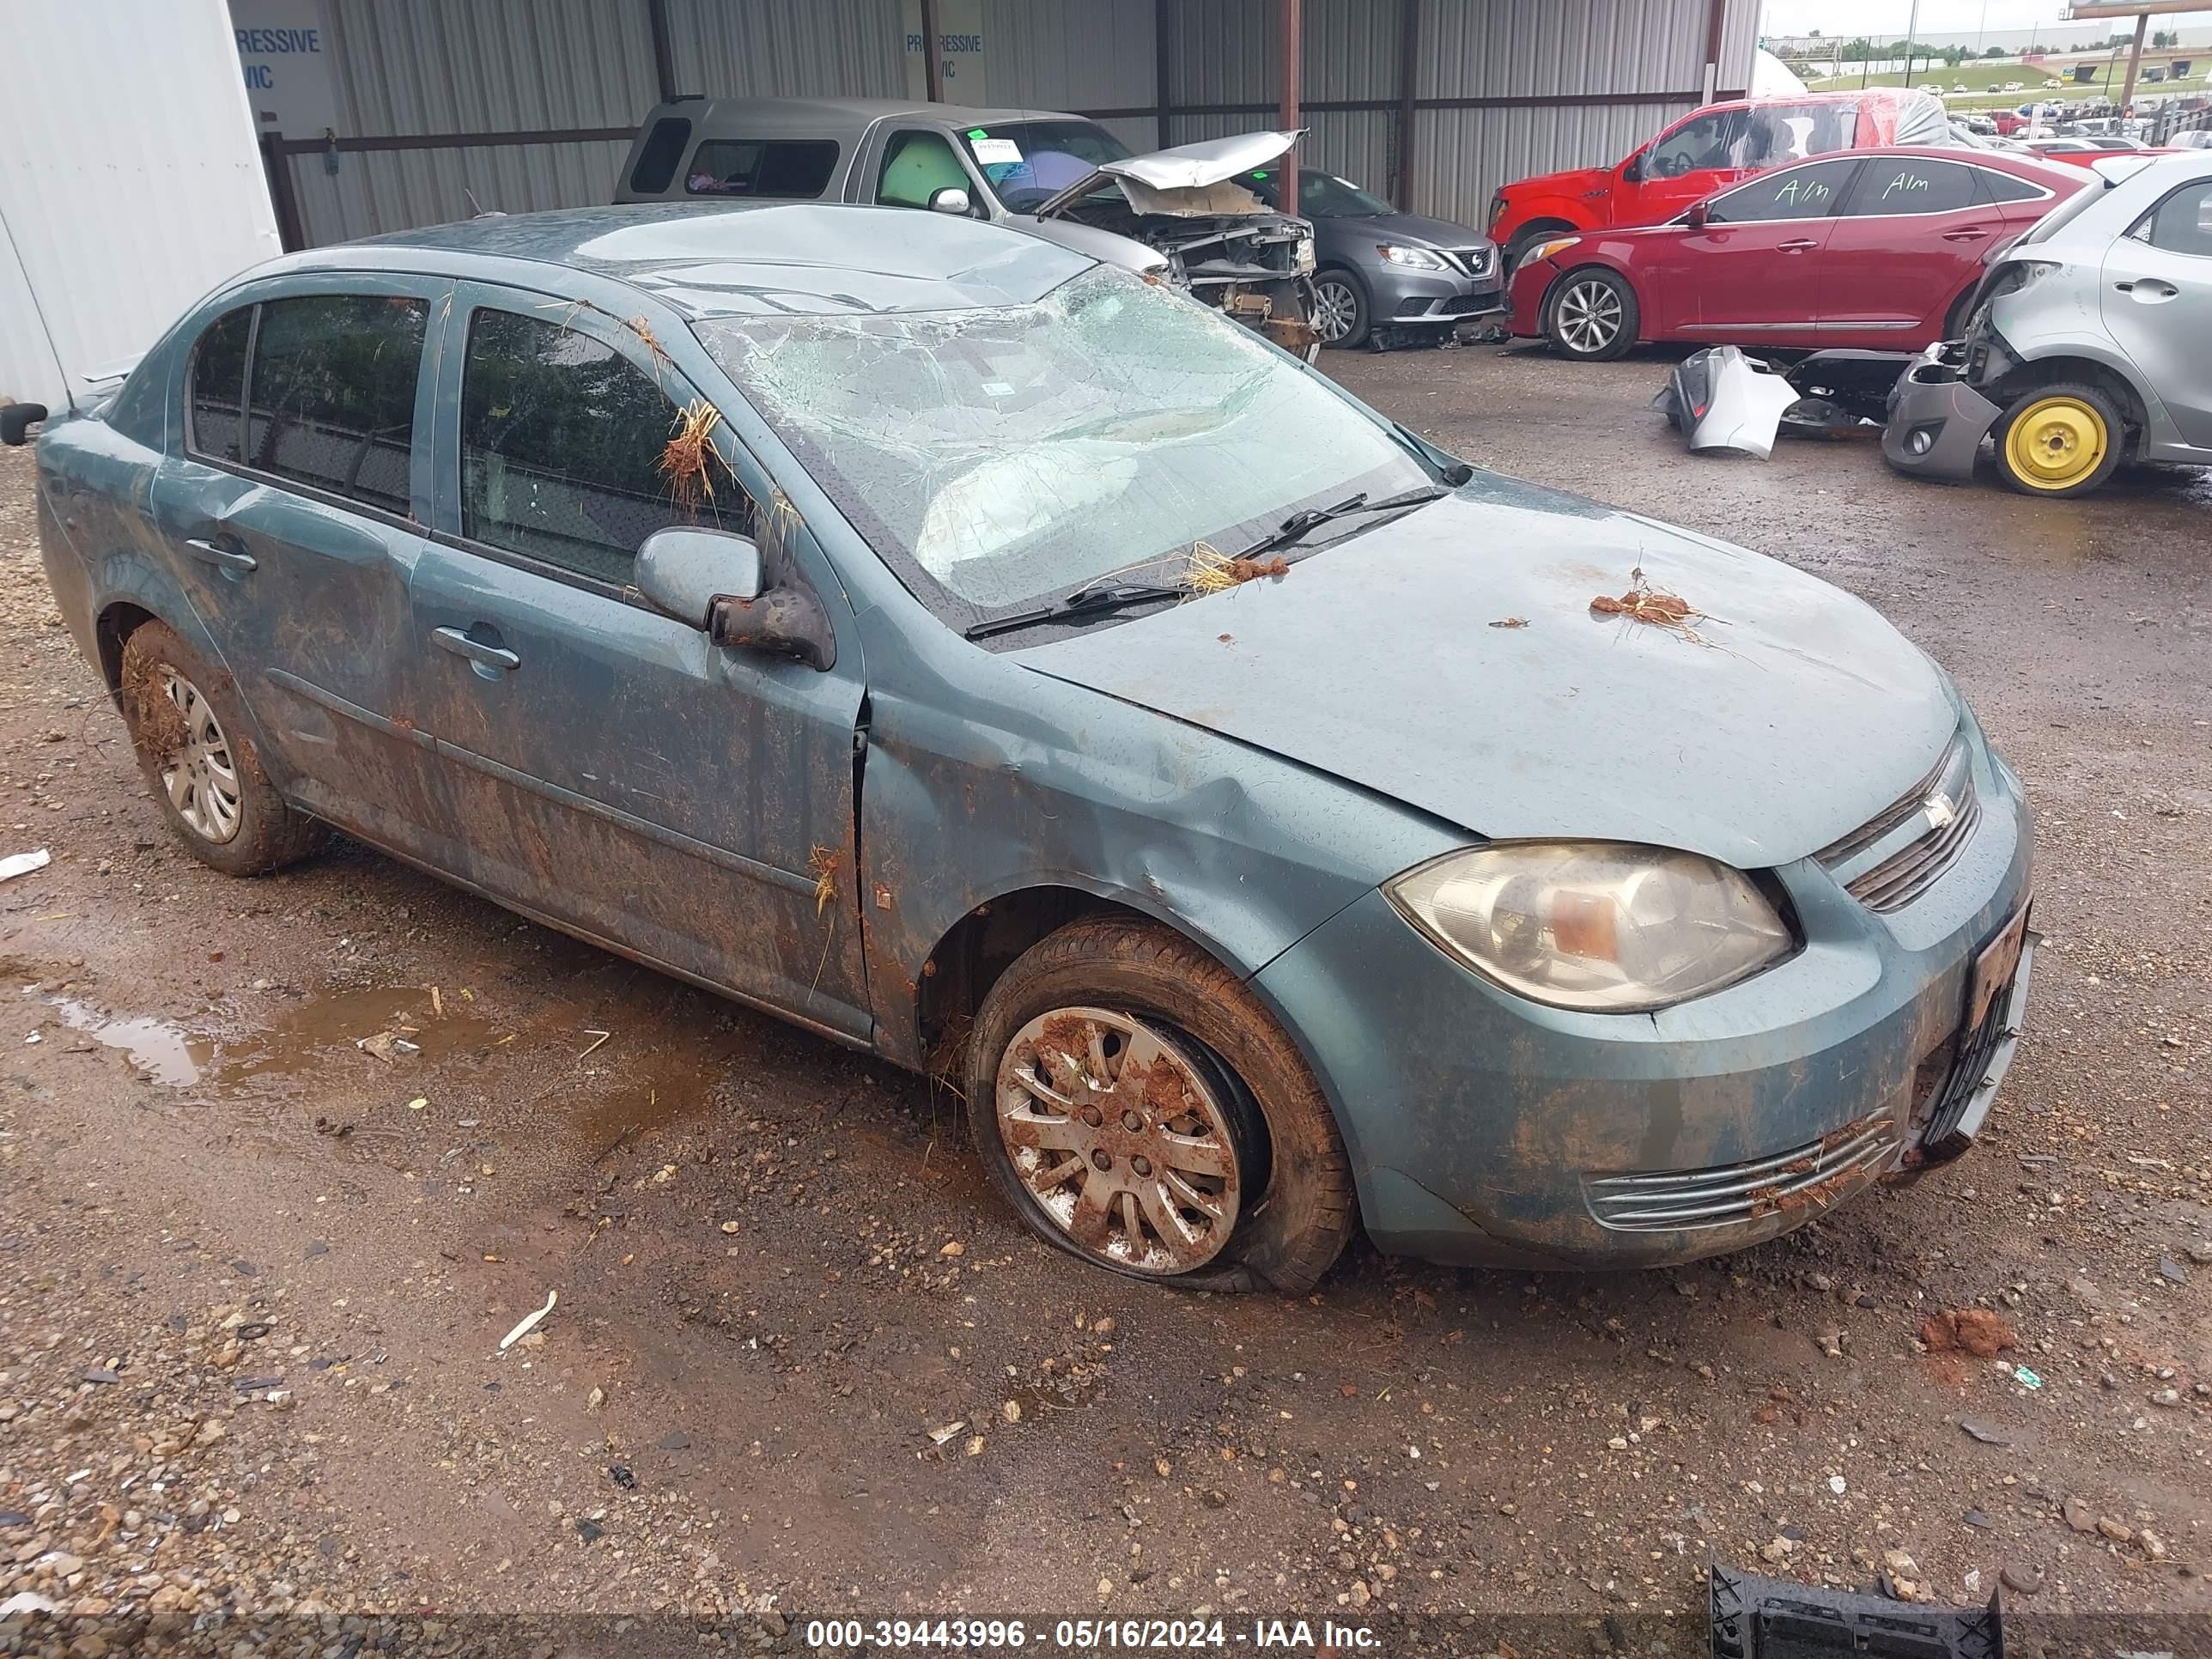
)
(982, 656)
(2086, 347)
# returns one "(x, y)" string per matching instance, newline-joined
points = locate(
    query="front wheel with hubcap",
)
(2062, 440)
(1140, 1110)
(186, 724)
(1594, 316)
(1339, 309)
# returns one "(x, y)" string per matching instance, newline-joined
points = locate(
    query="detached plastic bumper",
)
(1937, 420)
(1755, 1618)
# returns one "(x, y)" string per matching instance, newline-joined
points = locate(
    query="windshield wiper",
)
(1300, 523)
(1093, 599)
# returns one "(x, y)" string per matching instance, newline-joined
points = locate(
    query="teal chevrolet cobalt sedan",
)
(988, 659)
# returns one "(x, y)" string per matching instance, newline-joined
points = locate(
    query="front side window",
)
(916, 166)
(1805, 192)
(2182, 223)
(1029, 162)
(332, 399)
(1775, 134)
(1707, 142)
(571, 455)
(1891, 185)
(784, 169)
(1009, 453)
(215, 388)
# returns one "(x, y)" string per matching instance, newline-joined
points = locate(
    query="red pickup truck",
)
(1708, 150)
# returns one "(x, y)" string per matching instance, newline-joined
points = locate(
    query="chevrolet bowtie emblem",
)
(1941, 812)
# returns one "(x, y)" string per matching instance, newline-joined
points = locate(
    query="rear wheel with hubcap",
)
(1593, 315)
(1339, 309)
(2062, 440)
(1140, 1110)
(187, 727)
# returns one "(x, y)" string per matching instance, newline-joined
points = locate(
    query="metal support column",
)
(664, 55)
(2134, 63)
(1163, 63)
(1287, 111)
(1409, 53)
(930, 39)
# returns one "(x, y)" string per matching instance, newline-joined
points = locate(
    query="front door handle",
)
(1798, 246)
(215, 553)
(2148, 288)
(488, 656)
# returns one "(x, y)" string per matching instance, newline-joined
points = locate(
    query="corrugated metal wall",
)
(417, 67)
(109, 227)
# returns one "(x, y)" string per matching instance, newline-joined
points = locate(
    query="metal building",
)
(438, 108)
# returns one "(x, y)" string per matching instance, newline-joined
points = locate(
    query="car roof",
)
(765, 117)
(743, 259)
(2000, 161)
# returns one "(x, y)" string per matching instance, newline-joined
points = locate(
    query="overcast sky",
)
(1880, 17)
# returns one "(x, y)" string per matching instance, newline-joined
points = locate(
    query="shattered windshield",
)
(1029, 162)
(1012, 452)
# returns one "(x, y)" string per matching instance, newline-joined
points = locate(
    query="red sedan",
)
(1876, 248)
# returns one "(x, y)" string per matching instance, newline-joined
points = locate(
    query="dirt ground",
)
(253, 1277)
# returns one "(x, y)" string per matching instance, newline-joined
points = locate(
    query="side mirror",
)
(684, 572)
(950, 199)
(1631, 170)
(1698, 217)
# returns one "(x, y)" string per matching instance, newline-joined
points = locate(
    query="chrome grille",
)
(1816, 1174)
(1936, 818)
(1468, 261)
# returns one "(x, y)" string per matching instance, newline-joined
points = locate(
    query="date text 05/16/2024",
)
(1088, 1635)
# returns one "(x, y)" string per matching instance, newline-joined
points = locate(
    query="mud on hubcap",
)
(198, 774)
(1123, 1144)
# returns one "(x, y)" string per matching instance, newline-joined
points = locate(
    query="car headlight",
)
(1305, 254)
(1420, 258)
(1544, 249)
(1604, 926)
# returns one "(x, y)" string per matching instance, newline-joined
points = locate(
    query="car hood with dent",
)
(1450, 660)
(1166, 179)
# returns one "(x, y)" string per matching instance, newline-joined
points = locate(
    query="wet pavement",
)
(375, 1122)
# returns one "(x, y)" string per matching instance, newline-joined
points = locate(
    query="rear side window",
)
(788, 168)
(216, 387)
(656, 163)
(1896, 185)
(1805, 192)
(2182, 223)
(2003, 187)
(567, 455)
(332, 399)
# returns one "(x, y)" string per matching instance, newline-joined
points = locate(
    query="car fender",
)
(2068, 337)
(1583, 259)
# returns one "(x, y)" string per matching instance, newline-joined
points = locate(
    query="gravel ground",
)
(253, 1277)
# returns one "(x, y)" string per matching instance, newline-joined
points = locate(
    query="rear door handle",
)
(1970, 234)
(1798, 246)
(490, 656)
(215, 553)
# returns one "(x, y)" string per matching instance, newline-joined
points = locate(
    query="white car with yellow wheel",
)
(2085, 347)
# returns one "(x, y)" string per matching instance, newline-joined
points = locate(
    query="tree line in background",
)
(1861, 49)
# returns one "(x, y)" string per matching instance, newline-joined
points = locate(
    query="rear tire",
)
(1128, 993)
(1591, 315)
(2062, 440)
(190, 730)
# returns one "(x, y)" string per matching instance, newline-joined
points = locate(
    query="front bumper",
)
(1404, 297)
(1937, 420)
(1487, 1129)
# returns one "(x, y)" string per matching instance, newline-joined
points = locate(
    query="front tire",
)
(1341, 314)
(2060, 440)
(190, 730)
(1142, 1110)
(1592, 315)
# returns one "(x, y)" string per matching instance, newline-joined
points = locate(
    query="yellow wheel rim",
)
(2056, 443)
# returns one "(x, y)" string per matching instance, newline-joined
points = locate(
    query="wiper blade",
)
(1302, 524)
(1096, 600)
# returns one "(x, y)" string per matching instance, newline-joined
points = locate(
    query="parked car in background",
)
(1705, 151)
(838, 609)
(2195, 138)
(1378, 270)
(1057, 176)
(1878, 248)
(2007, 122)
(2087, 346)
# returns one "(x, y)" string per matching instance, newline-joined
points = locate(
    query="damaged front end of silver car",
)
(1227, 247)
